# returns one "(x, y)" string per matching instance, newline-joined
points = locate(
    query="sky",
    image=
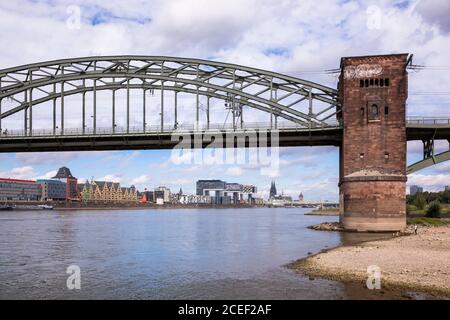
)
(298, 38)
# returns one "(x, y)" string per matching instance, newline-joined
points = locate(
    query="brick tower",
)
(373, 92)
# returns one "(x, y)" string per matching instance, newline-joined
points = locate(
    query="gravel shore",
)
(415, 262)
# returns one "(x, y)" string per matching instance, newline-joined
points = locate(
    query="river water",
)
(164, 254)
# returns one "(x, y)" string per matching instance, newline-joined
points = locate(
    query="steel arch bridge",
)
(309, 112)
(232, 83)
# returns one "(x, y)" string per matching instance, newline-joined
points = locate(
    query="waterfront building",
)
(70, 181)
(223, 193)
(194, 199)
(176, 197)
(415, 189)
(209, 187)
(281, 200)
(106, 191)
(258, 201)
(53, 190)
(248, 192)
(164, 194)
(447, 188)
(19, 190)
(149, 196)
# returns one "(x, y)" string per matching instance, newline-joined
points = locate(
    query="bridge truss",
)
(301, 103)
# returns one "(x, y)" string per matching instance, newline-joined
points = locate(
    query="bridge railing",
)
(156, 129)
(428, 120)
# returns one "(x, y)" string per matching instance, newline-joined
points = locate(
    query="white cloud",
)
(435, 182)
(435, 12)
(26, 172)
(110, 178)
(48, 175)
(182, 182)
(234, 172)
(141, 180)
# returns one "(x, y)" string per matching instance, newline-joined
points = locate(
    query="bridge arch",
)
(305, 103)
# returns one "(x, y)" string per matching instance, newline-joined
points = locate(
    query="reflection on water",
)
(163, 254)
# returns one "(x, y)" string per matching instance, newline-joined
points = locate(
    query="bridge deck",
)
(153, 138)
(136, 138)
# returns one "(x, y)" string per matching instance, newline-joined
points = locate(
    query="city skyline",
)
(59, 175)
(317, 180)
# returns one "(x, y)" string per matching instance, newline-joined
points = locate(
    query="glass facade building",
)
(19, 190)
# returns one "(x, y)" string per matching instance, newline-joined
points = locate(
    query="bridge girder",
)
(428, 162)
(303, 102)
(429, 156)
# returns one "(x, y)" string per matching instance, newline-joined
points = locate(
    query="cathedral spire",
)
(273, 190)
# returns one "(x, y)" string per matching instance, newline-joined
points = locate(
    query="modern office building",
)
(249, 192)
(149, 196)
(223, 193)
(163, 194)
(19, 190)
(205, 187)
(415, 189)
(71, 182)
(53, 190)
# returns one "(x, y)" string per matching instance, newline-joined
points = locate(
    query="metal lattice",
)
(304, 103)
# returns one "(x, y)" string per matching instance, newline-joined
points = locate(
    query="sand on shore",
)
(323, 213)
(415, 262)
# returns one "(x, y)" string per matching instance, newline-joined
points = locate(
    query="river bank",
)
(324, 212)
(418, 263)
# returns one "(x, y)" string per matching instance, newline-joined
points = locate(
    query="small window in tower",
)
(362, 111)
(361, 156)
(377, 82)
(361, 83)
(381, 82)
(366, 83)
(386, 82)
(386, 110)
(386, 155)
(371, 82)
(374, 111)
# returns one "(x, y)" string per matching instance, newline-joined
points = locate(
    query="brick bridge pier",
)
(373, 92)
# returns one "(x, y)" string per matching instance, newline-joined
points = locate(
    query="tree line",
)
(443, 197)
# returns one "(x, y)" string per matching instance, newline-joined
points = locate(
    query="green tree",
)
(434, 210)
(420, 201)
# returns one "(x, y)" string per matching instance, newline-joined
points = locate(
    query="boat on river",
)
(33, 207)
